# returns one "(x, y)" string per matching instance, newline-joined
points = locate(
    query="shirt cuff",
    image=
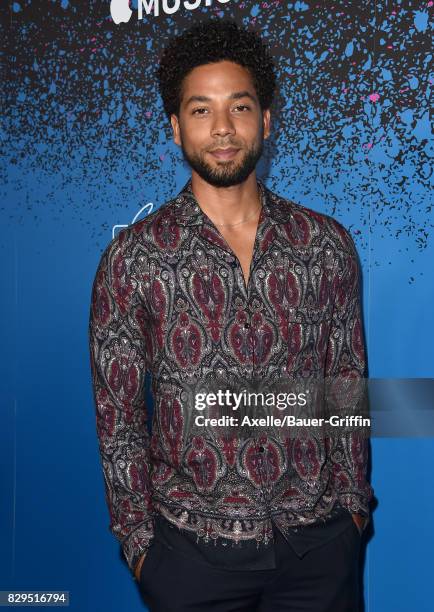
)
(137, 543)
(355, 503)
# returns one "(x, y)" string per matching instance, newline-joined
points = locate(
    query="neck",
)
(227, 205)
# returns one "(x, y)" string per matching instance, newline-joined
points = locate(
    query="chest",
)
(200, 311)
(241, 243)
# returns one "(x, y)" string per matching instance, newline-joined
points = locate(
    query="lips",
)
(224, 153)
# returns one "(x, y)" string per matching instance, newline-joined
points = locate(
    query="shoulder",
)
(146, 229)
(305, 225)
(145, 235)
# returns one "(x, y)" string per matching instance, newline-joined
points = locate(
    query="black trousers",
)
(324, 580)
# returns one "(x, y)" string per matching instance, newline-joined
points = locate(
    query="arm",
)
(118, 366)
(346, 361)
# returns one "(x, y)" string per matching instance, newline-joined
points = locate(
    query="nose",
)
(222, 124)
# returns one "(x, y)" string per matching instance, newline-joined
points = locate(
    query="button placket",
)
(246, 289)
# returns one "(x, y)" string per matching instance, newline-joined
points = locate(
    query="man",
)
(228, 282)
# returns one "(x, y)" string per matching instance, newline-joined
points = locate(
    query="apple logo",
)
(120, 11)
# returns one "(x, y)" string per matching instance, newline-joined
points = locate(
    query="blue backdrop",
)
(86, 146)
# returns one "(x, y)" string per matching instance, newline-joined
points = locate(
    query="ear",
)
(175, 128)
(266, 119)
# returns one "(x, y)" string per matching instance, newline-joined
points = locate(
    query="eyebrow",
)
(233, 96)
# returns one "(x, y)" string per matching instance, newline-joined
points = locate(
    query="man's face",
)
(220, 110)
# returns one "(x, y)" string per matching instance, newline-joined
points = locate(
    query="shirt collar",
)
(188, 212)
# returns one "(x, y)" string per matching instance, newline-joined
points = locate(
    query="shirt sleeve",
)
(118, 366)
(346, 388)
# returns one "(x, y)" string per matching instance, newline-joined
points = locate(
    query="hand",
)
(139, 567)
(360, 521)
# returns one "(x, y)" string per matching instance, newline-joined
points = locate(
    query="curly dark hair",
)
(212, 41)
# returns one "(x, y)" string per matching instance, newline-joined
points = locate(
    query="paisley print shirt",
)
(170, 298)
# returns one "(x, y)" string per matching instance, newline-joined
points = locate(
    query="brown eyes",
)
(198, 111)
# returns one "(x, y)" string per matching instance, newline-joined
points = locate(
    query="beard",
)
(228, 173)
